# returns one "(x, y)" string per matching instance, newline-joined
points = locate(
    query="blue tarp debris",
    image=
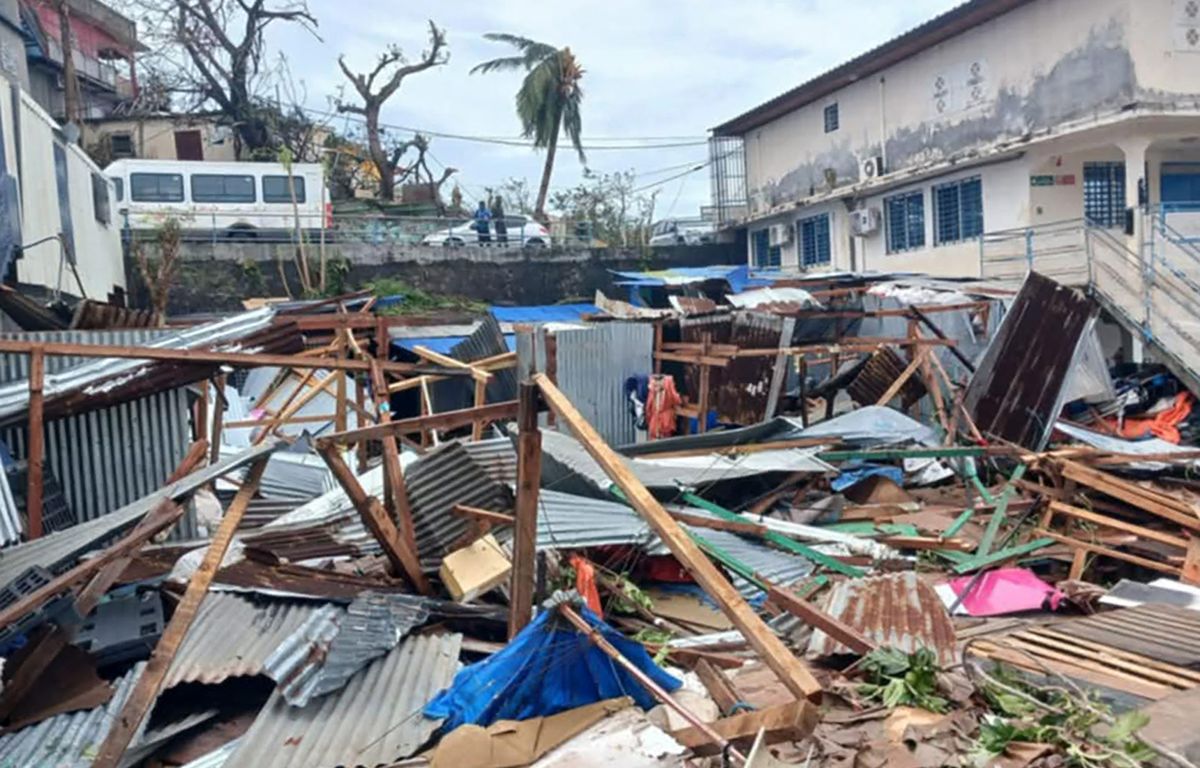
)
(853, 475)
(549, 667)
(738, 277)
(550, 313)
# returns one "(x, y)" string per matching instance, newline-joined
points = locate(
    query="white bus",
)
(241, 200)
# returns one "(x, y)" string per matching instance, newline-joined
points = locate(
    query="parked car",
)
(681, 232)
(522, 230)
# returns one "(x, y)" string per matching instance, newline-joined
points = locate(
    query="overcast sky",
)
(653, 68)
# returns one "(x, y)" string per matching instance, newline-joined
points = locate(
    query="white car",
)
(521, 230)
(681, 232)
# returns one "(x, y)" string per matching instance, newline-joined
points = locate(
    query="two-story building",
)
(997, 115)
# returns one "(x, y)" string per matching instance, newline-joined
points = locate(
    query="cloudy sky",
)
(653, 68)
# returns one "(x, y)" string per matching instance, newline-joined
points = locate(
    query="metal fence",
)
(517, 231)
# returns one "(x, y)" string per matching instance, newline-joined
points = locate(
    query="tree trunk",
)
(539, 212)
(379, 158)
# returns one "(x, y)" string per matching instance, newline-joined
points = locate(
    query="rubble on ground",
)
(862, 520)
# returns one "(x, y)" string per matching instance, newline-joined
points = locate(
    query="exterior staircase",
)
(1152, 290)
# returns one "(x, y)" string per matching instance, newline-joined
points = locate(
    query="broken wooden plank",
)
(529, 479)
(487, 515)
(895, 387)
(145, 690)
(37, 445)
(438, 421)
(786, 722)
(375, 518)
(818, 619)
(792, 672)
(718, 686)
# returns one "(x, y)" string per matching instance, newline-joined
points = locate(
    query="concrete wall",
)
(1031, 71)
(154, 138)
(217, 277)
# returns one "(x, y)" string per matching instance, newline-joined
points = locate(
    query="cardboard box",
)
(473, 570)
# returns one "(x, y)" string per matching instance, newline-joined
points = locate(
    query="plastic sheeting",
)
(872, 426)
(1150, 446)
(545, 669)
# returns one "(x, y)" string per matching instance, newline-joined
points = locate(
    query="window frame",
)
(158, 198)
(773, 254)
(123, 136)
(210, 199)
(906, 199)
(960, 232)
(297, 184)
(834, 112)
(101, 200)
(1113, 194)
(826, 229)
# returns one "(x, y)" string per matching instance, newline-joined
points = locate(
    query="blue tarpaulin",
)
(550, 313)
(855, 475)
(549, 667)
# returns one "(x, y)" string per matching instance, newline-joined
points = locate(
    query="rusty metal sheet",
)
(1018, 388)
(882, 370)
(741, 391)
(1165, 632)
(896, 611)
(296, 580)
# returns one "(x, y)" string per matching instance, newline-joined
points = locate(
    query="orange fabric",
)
(661, 402)
(585, 583)
(1161, 425)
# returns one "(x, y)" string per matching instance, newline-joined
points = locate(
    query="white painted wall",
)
(98, 247)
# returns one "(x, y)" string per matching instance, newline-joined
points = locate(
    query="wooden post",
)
(705, 383)
(36, 459)
(396, 494)
(200, 415)
(658, 342)
(791, 670)
(146, 688)
(339, 424)
(402, 556)
(480, 401)
(360, 398)
(529, 476)
(214, 442)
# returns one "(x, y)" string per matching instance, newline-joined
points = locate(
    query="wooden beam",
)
(1097, 549)
(480, 401)
(818, 619)
(396, 494)
(498, 518)
(529, 479)
(790, 669)
(449, 362)
(717, 524)
(36, 460)
(214, 440)
(208, 357)
(786, 722)
(898, 384)
(1119, 525)
(719, 688)
(146, 689)
(375, 518)
(162, 517)
(439, 421)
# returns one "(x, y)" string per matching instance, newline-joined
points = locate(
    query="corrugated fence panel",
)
(108, 458)
(592, 366)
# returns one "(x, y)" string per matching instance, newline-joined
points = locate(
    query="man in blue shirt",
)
(482, 217)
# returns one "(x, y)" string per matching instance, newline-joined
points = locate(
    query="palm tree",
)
(548, 101)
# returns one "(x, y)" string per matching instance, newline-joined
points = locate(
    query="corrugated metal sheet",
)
(232, 636)
(333, 646)
(376, 719)
(745, 391)
(592, 365)
(16, 367)
(106, 458)
(436, 482)
(100, 376)
(11, 527)
(215, 759)
(1017, 390)
(290, 475)
(57, 551)
(497, 457)
(70, 740)
(567, 522)
(1163, 632)
(897, 611)
(487, 340)
(875, 378)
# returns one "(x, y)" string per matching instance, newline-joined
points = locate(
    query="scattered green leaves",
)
(417, 300)
(895, 678)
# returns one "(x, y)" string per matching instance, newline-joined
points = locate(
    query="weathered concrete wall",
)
(217, 277)
(1030, 71)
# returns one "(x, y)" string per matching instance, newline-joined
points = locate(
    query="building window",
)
(156, 187)
(958, 210)
(1179, 188)
(1104, 194)
(222, 188)
(831, 118)
(813, 236)
(118, 187)
(275, 189)
(905, 221)
(101, 205)
(765, 255)
(121, 144)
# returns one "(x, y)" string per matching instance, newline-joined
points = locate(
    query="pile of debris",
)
(861, 521)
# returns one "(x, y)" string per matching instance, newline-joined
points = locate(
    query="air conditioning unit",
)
(870, 168)
(780, 234)
(865, 221)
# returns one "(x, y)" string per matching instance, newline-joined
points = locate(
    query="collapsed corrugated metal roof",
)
(375, 720)
(104, 376)
(232, 636)
(57, 551)
(896, 611)
(497, 457)
(334, 644)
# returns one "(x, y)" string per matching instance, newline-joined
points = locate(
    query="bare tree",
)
(159, 273)
(213, 51)
(375, 87)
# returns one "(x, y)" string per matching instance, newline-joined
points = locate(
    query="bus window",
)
(118, 187)
(216, 188)
(275, 189)
(156, 187)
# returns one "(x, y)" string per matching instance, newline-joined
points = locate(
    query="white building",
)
(997, 115)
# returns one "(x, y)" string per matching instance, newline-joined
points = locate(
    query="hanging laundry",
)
(661, 402)
(636, 388)
(585, 583)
